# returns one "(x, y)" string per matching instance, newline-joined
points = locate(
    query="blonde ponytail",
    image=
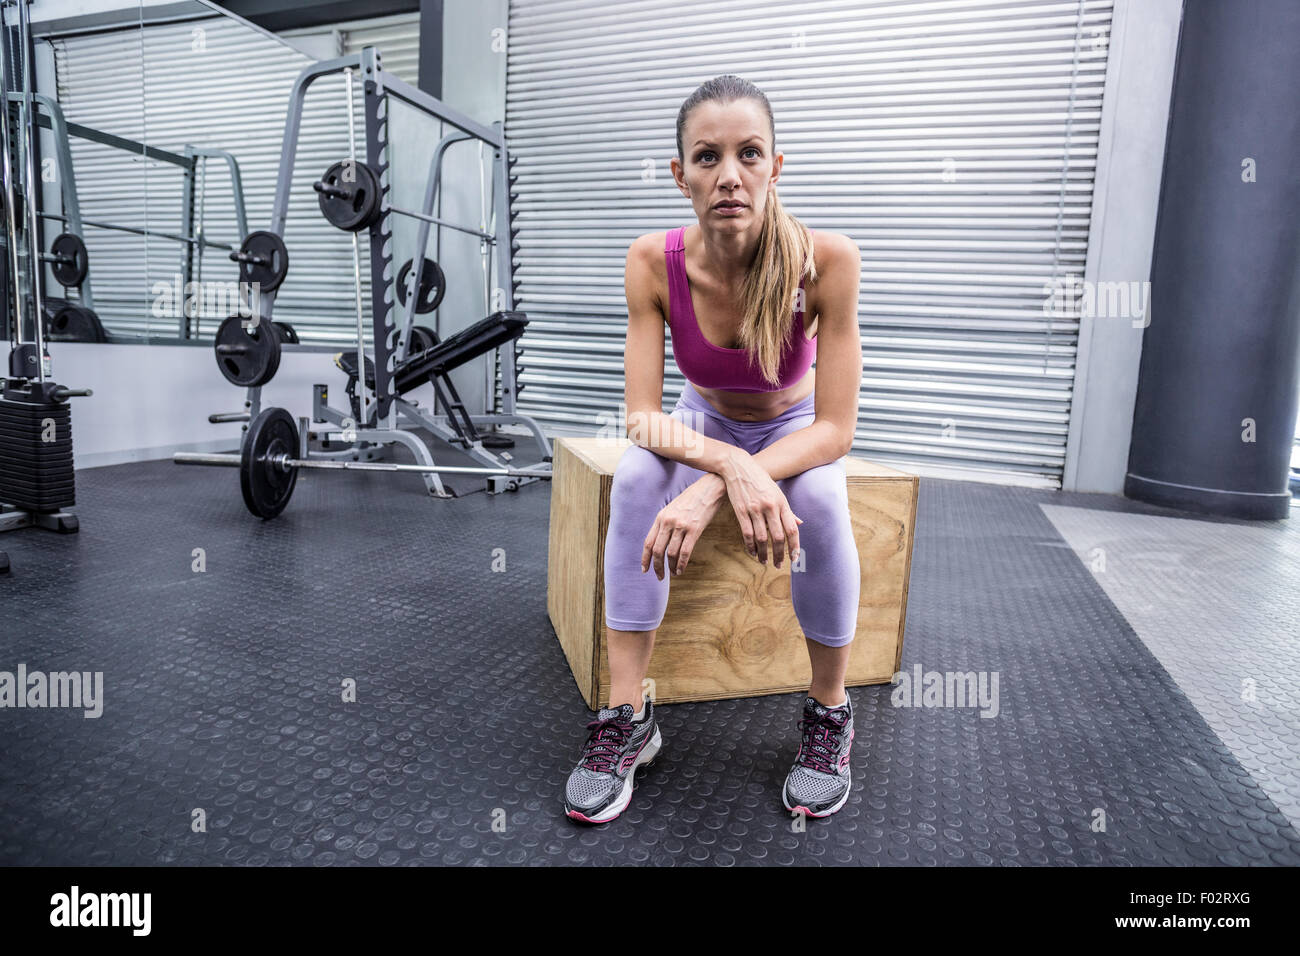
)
(768, 296)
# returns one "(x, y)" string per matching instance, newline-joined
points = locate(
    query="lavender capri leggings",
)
(824, 593)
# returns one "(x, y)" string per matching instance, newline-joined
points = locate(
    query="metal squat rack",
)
(391, 329)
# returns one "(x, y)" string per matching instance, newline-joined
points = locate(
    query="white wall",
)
(152, 400)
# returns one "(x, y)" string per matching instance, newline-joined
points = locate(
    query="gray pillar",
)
(1217, 390)
(430, 65)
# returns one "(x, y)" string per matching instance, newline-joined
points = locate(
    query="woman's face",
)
(727, 165)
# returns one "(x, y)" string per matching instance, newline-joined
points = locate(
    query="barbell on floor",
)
(268, 469)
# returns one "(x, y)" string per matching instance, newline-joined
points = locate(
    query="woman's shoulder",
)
(647, 252)
(649, 243)
(647, 266)
(833, 251)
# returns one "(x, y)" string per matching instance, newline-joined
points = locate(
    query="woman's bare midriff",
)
(758, 406)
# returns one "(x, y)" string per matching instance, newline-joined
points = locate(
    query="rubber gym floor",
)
(1147, 711)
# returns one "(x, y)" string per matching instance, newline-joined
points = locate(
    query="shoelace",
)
(821, 740)
(605, 744)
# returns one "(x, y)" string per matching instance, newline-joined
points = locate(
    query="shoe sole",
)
(615, 809)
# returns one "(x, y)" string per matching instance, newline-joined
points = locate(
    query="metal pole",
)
(198, 235)
(210, 243)
(10, 222)
(286, 463)
(504, 266)
(432, 185)
(487, 236)
(187, 251)
(356, 271)
(33, 252)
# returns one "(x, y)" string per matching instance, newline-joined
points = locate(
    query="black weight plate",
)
(34, 409)
(27, 471)
(21, 458)
(36, 471)
(37, 489)
(433, 285)
(18, 463)
(33, 432)
(255, 366)
(75, 262)
(422, 339)
(37, 453)
(74, 323)
(288, 334)
(267, 487)
(39, 500)
(38, 483)
(33, 429)
(272, 260)
(31, 439)
(358, 208)
(275, 358)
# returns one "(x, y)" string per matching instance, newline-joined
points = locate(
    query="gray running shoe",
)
(818, 783)
(600, 786)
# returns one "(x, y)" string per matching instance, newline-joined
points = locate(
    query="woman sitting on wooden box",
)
(750, 300)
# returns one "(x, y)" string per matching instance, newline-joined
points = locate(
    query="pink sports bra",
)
(711, 366)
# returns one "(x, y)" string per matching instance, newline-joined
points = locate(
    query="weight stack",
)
(35, 454)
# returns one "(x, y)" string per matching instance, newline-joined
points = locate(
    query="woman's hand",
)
(761, 508)
(679, 525)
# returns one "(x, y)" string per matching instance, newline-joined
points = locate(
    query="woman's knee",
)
(818, 492)
(641, 484)
(639, 469)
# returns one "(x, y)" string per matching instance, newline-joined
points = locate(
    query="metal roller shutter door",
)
(210, 97)
(398, 39)
(955, 141)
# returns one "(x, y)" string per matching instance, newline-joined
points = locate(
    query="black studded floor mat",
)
(224, 699)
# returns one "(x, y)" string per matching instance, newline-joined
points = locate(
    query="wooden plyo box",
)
(729, 629)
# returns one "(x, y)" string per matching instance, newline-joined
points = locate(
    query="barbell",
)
(268, 469)
(135, 230)
(349, 194)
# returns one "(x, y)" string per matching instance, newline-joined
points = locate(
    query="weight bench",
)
(434, 364)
